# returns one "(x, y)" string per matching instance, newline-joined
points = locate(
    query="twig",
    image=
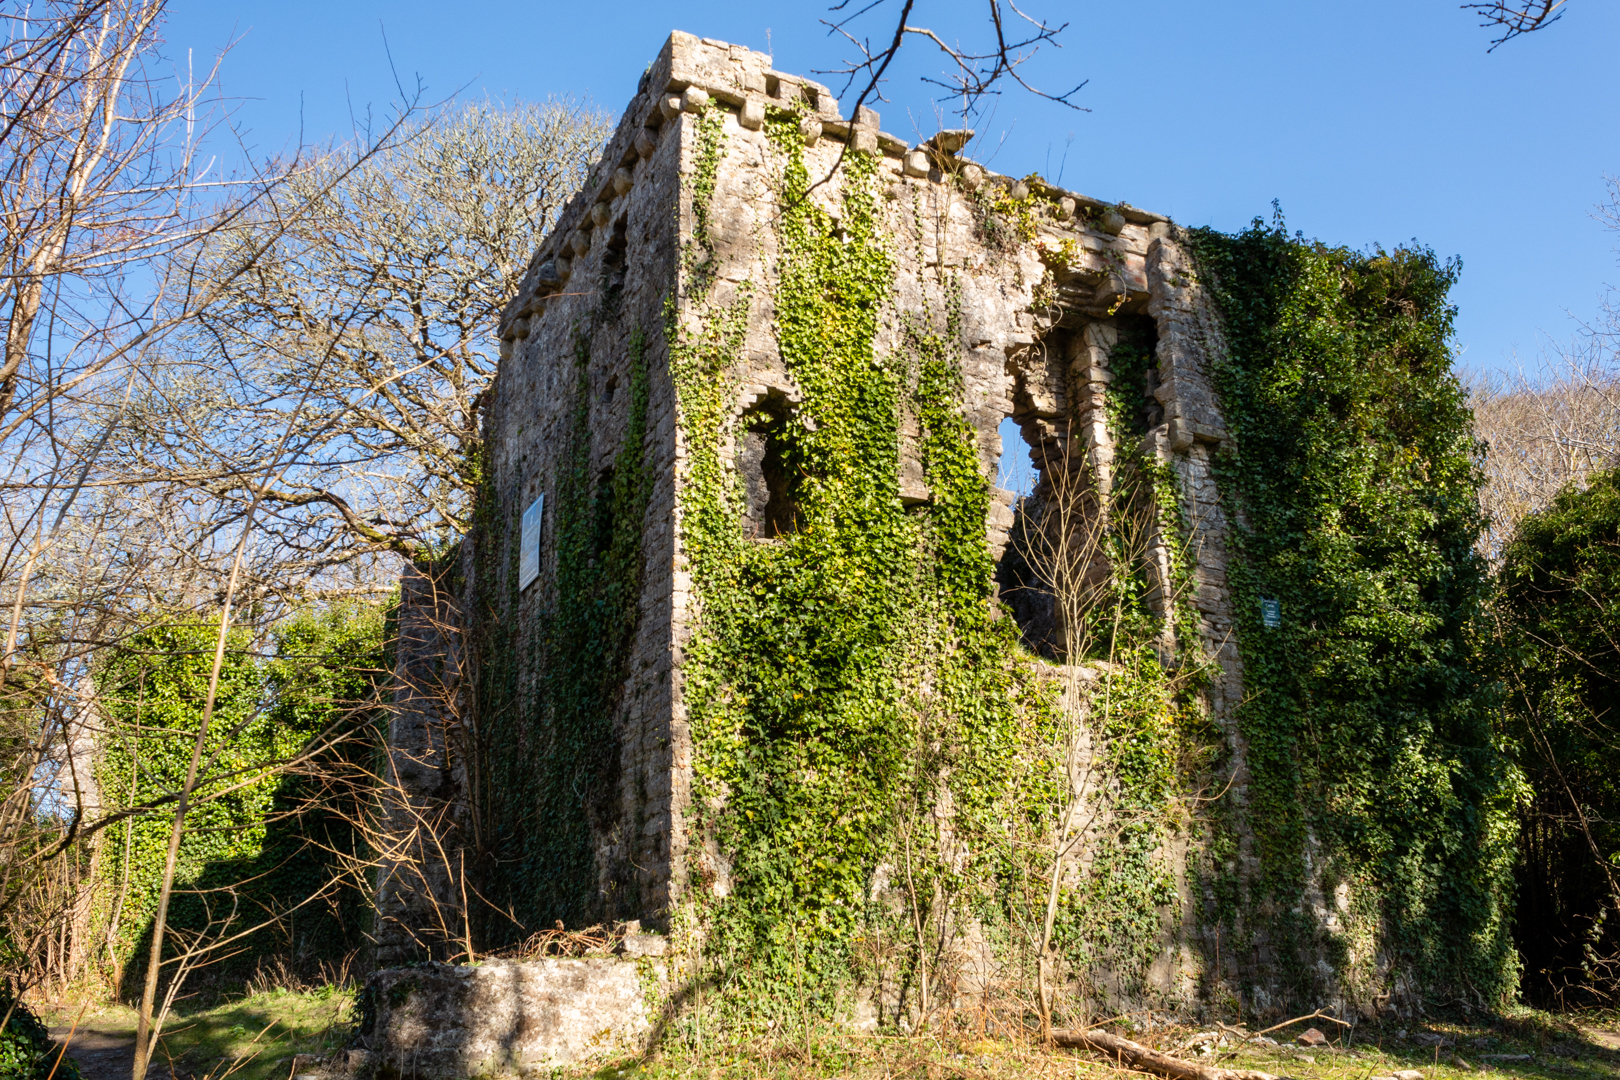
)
(1317, 1015)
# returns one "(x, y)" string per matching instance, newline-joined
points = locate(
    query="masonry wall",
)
(1043, 303)
(567, 343)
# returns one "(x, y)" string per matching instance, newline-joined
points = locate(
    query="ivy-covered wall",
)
(771, 694)
(1379, 802)
(567, 715)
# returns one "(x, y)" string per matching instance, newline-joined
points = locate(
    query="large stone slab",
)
(498, 1017)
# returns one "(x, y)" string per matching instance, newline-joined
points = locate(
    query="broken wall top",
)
(691, 72)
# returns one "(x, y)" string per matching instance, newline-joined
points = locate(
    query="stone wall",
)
(424, 795)
(500, 1017)
(1043, 303)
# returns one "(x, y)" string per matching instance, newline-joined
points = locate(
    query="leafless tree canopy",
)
(1555, 424)
(397, 274)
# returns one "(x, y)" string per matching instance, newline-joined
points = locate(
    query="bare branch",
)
(1516, 17)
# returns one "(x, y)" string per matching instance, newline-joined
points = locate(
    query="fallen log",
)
(1140, 1057)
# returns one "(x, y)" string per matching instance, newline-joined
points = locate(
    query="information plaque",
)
(529, 555)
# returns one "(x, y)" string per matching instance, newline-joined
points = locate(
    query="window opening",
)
(1022, 590)
(763, 459)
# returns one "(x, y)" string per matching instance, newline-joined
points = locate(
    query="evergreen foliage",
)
(254, 847)
(1368, 718)
(1559, 611)
(27, 1051)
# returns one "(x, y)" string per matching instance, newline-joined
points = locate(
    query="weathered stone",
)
(444, 1021)
(638, 945)
(623, 180)
(752, 115)
(601, 213)
(693, 99)
(1038, 323)
(951, 141)
(1312, 1037)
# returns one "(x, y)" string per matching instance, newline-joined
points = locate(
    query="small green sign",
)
(1270, 613)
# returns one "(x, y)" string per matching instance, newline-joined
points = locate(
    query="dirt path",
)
(103, 1053)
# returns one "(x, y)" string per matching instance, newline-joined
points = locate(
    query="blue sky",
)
(1375, 122)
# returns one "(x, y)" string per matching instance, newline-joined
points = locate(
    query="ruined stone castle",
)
(659, 375)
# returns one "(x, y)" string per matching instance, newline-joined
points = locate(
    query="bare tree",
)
(1098, 546)
(974, 70)
(1543, 431)
(1554, 425)
(399, 272)
(110, 208)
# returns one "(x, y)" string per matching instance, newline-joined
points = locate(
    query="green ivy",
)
(551, 758)
(256, 839)
(1354, 496)
(849, 678)
(1558, 613)
(27, 1051)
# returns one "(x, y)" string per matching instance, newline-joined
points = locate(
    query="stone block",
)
(451, 1021)
(916, 163)
(693, 99)
(752, 115)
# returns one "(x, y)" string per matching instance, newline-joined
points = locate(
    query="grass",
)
(251, 1038)
(1557, 1048)
(257, 1036)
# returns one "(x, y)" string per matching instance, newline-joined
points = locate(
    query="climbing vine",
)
(552, 755)
(1368, 728)
(851, 679)
(257, 839)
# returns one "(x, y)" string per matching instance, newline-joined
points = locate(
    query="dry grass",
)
(1555, 1048)
(206, 1043)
